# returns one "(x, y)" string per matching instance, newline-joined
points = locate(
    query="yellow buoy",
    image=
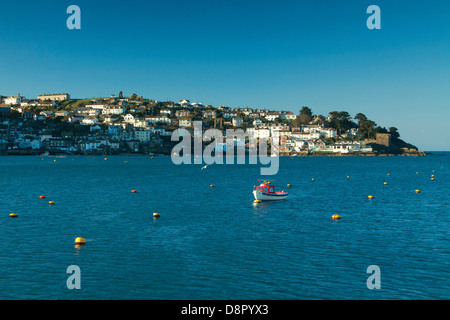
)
(417, 172)
(257, 201)
(13, 215)
(432, 179)
(51, 202)
(371, 197)
(417, 191)
(80, 241)
(156, 215)
(385, 183)
(313, 179)
(389, 174)
(348, 177)
(432, 175)
(335, 217)
(289, 185)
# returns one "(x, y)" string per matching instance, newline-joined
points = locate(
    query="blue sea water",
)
(214, 243)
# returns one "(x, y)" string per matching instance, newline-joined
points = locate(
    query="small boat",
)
(266, 192)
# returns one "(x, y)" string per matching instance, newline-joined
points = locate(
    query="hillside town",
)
(57, 124)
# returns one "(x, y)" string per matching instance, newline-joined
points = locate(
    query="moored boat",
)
(266, 192)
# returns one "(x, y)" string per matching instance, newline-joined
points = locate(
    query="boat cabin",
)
(265, 188)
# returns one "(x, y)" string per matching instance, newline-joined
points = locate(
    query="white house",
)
(97, 106)
(262, 133)
(271, 116)
(89, 121)
(157, 119)
(328, 132)
(61, 113)
(16, 99)
(185, 103)
(341, 148)
(111, 110)
(129, 118)
(237, 121)
(166, 112)
(185, 122)
(288, 116)
(142, 135)
(309, 135)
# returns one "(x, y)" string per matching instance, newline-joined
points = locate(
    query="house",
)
(262, 133)
(54, 97)
(87, 111)
(237, 121)
(183, 113)
(61, 113)
(271, 116)
(309, 135)
(16, 99)
(113, 110)
(27, 115)
(39, 117)
(166, 112)
(209, 114)
(341, 148)
(158, 119)
(129, 118)
(75, 118)
(198, 105)
(328, 133)
(142, 135)
(289, 116)
(185, 122)
(97, 106)
(90, 145)
(59, 143)
(229, 115)
(47, 113)
(89, 121)
(185, 103)
(258, 122)
(319, 146)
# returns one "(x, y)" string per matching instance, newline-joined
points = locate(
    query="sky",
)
(278, 55)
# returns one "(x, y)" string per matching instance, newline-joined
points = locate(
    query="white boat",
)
(266, 192)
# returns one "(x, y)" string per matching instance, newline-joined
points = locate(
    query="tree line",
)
(342, 121)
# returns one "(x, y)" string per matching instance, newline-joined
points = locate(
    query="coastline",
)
(290, 154)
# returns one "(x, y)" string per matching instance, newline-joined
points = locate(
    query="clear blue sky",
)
(266, 54)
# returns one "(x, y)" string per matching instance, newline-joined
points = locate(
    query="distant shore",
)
(291, 154)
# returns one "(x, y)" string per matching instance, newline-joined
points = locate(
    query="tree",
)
(341, 121)
(394, 132)
(120, 95)
(306, 111)
(360, 117)
(304, 118)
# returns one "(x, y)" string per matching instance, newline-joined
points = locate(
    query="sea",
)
(214, 242)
